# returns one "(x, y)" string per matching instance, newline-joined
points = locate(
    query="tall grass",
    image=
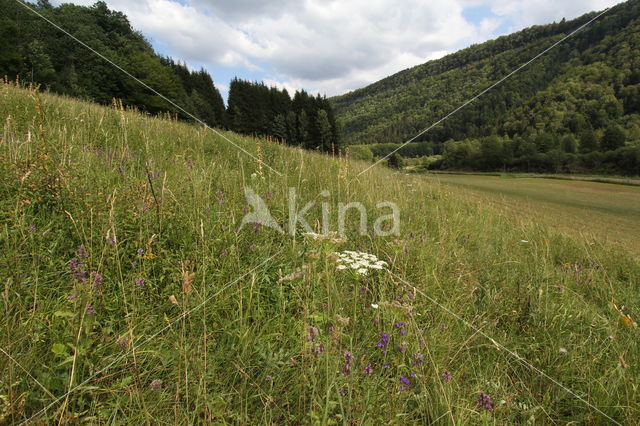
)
(177, 318)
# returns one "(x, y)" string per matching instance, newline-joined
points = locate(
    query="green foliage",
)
(395, 161)
(613, 138)
(360, 152)
(218, 330)
(32, 50)
(587, 84)
(305, 120)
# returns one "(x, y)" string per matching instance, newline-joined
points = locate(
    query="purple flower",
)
(405, 380)
(313, 334)
(385, 366)
(82, 252)
(402, 348)
(90, 310)
(399, 325)
(74, 264)
(73, 297)
(446, 376)
(403, 333)
(368, 370)
(140, 282)
(484, 401)
(413, 374)
(140, 252)
(96, 280)
(347, 364)
(385, 337)
(381, 345)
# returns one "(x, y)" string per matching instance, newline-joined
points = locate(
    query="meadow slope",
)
(129, 294)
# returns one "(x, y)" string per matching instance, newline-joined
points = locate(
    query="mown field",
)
(597, 212)
(130, 295)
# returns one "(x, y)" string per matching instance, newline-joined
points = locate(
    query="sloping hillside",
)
(585, 86)
(131, 293)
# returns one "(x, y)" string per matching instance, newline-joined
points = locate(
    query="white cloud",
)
(329, 46)
(524, 13)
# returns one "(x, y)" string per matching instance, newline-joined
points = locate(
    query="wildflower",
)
(156, 385)
(140, 252)
(563, 351)
(405, 380)
(347, 364)
(419, 358)
(96, 279)
(82, 252)
(413, 374)
(485, 401)
(313, 334)
(403, 333)
(368, 370)
(139, 282)
(446, 376)
(375, 306)
(402, 348)
(385, 337)
(90, 310)
(386, 366)
(73, 297)
(381, 345)
(360, 262)
(399, 325)
(74, 264)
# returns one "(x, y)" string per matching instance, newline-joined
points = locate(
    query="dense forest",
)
(575, 109)
(305, 120)
(32, 50)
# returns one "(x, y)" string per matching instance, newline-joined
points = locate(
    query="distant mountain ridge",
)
(600, 63)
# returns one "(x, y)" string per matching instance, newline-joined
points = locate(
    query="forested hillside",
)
(580, 98)
(34, 51)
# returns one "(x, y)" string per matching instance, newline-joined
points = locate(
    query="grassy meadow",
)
(130, 295)
(594, 211)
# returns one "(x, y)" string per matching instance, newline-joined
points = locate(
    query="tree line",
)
(32, 50)
(303, 120)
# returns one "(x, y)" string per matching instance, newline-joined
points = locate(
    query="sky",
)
(328, 46)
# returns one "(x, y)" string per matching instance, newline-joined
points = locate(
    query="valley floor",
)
(597, 211)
